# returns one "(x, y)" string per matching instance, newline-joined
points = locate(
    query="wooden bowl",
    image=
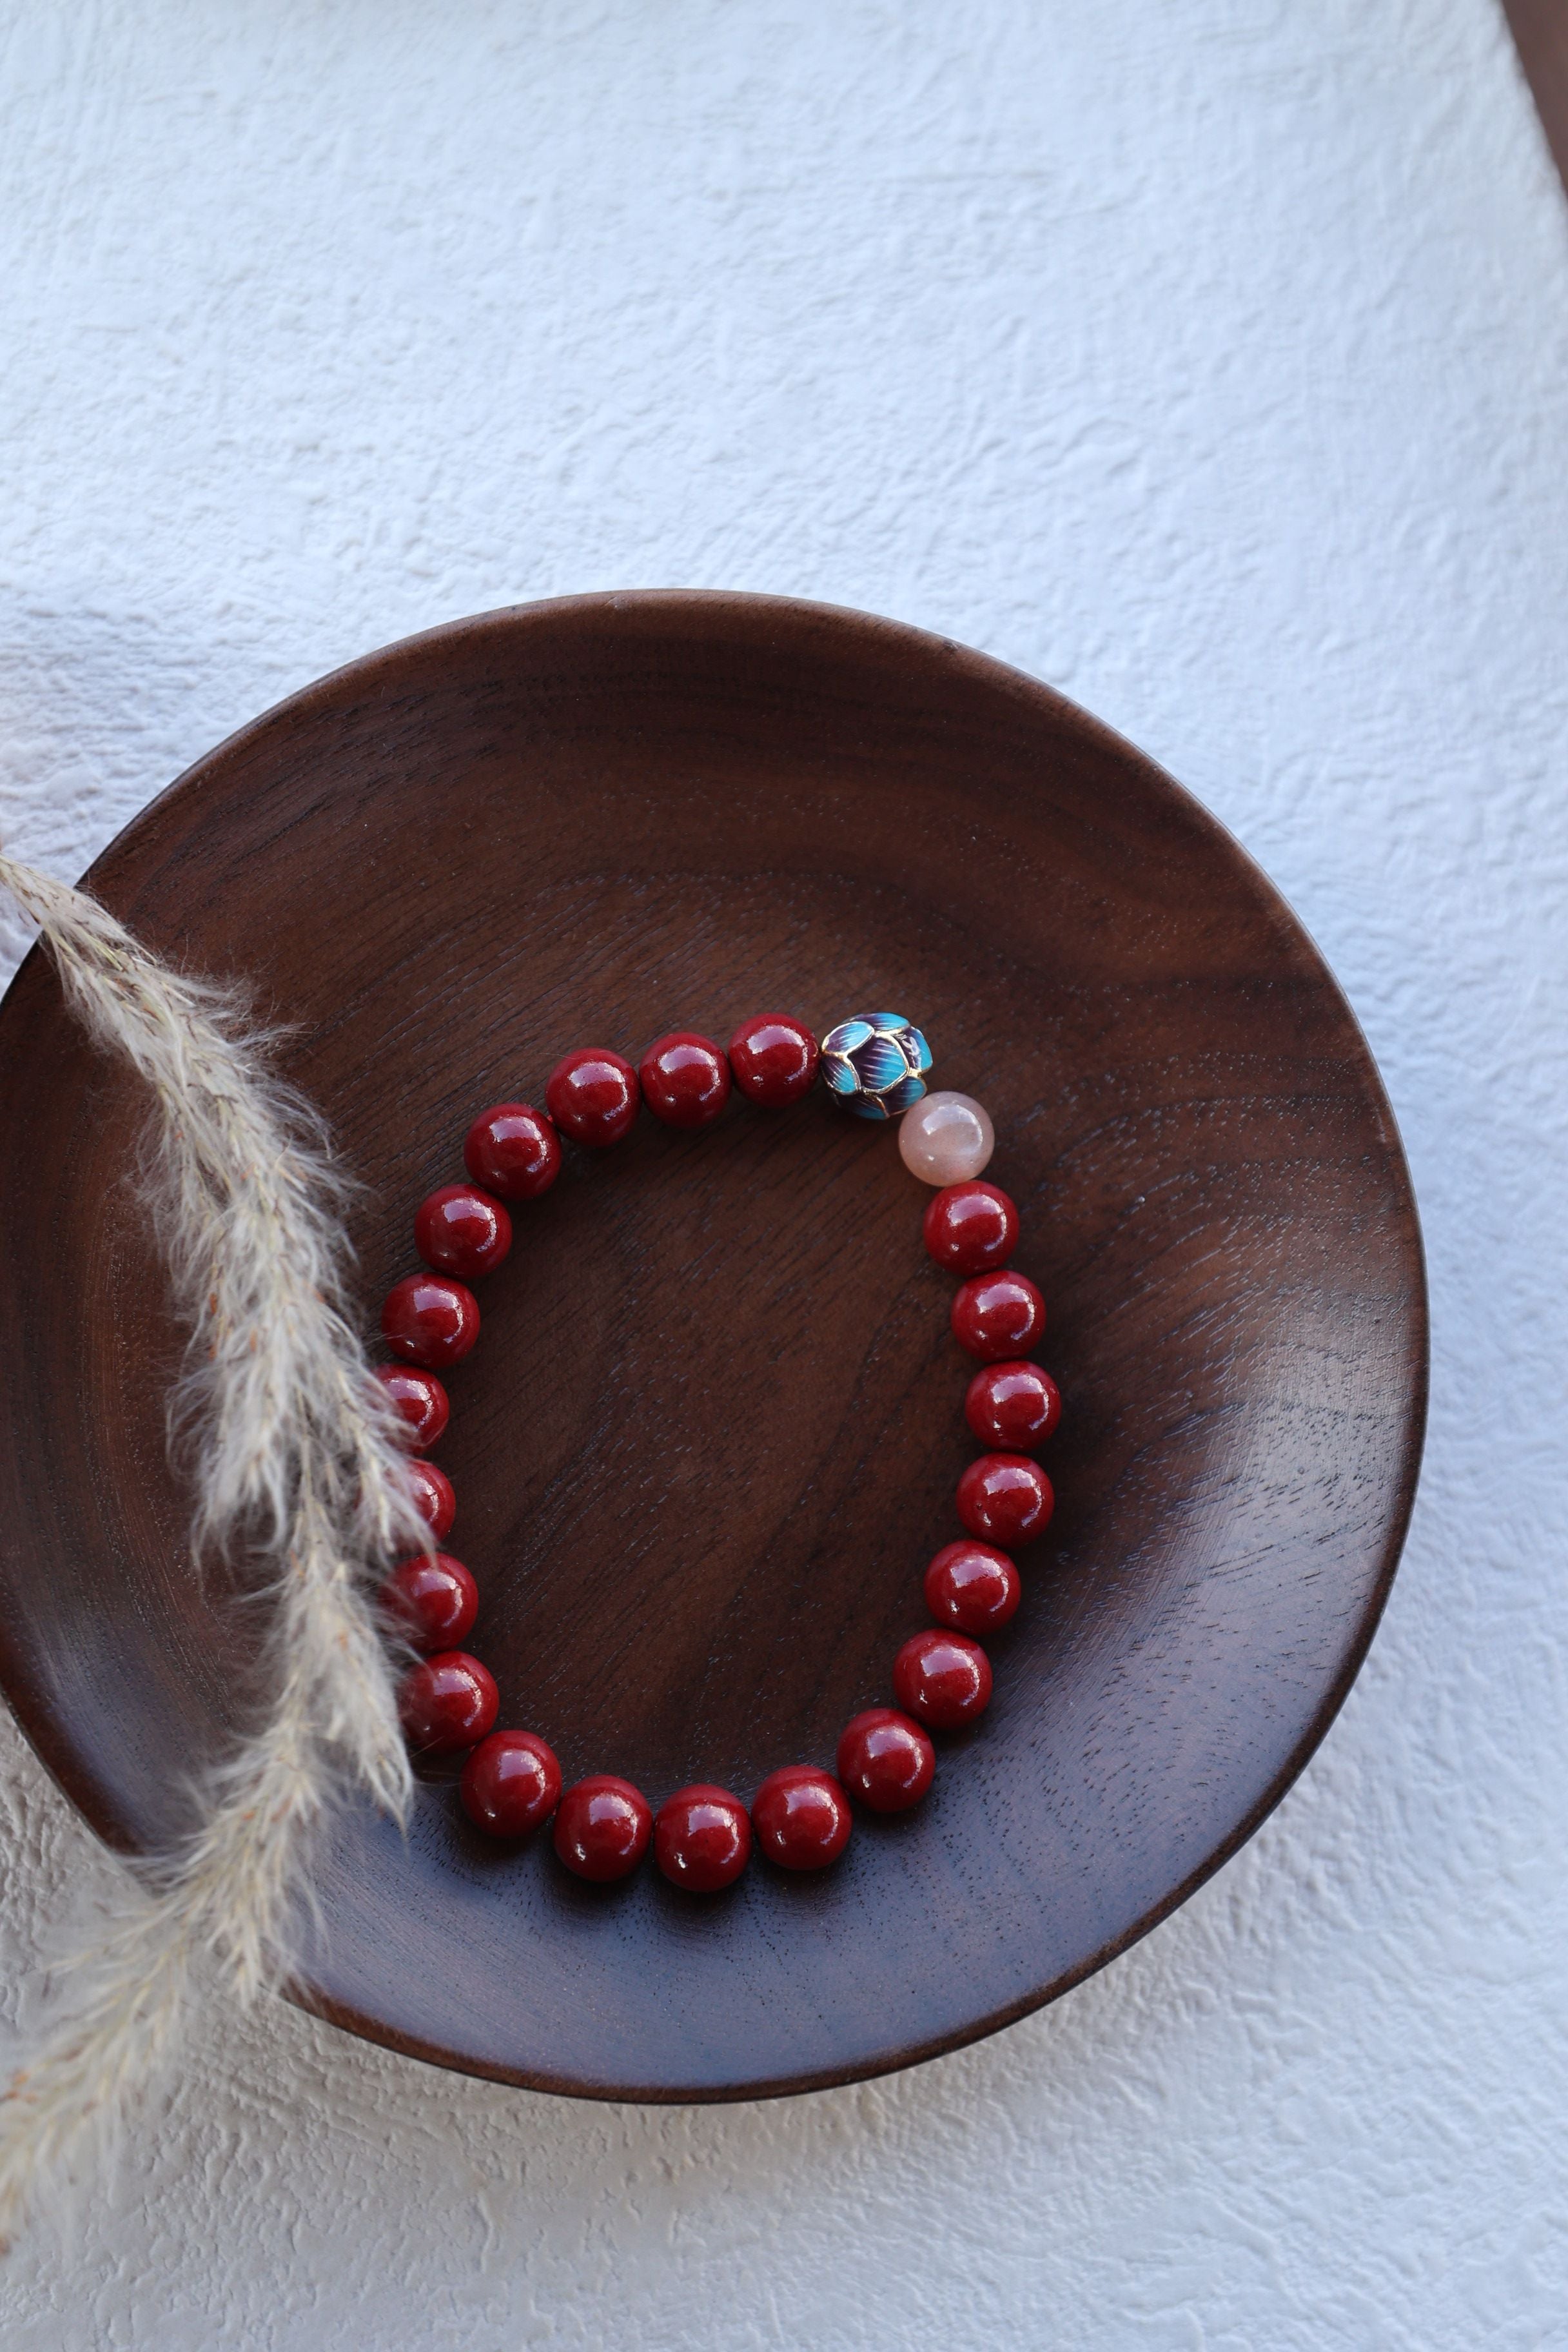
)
(710, 1435)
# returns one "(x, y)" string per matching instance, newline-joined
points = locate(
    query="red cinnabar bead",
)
(801, 1817)
(885, 1760)
(433, 1497)
(421, 1402)
(998, 1314)
(685, 1080)
(1005, 1498)
(430, 1320)
(462, 1231)
(973, 1587)
(512, 1149)
(448, 1702)
(971, 1228)
(511, 1783)
(773, 1059)
(435, 1602)
(602, 1827)
(943, 1678)
(1013, 1407)
(592, 1096)
(701, 1838)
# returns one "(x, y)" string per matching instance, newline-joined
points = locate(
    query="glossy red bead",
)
(701, 1838)
(942, 1678)
(602, 1827)
(971, 1228)
(421, 1400)
(446, 1702)
(460, 1230)
(511, 1783)
(432, 1495)
(973, 1587)
(800, 1816)
(513, 1151)
(1013, 1407)
(685, 1080)
(998, 1316)
(592, 1096)
(1007, 1499)
(775, 1060)
(886, 1759)
(434, 1601)
(430, 1320)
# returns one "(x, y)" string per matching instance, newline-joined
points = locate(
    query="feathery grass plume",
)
(293, 1448)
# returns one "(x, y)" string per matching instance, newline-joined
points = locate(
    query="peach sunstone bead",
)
(946, 1138)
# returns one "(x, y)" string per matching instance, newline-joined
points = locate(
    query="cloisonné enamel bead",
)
(875, 1063)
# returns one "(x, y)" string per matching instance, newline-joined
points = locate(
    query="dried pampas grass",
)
(294, 1451)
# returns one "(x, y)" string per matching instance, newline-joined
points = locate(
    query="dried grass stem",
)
(292, 1450)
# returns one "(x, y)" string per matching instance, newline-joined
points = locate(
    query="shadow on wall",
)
(98, 711)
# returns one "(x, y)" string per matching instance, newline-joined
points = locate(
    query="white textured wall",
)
(1207, 357)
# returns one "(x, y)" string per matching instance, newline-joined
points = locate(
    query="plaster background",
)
(1208, 360)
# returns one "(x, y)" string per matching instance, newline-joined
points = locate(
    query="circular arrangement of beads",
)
(801, 1817)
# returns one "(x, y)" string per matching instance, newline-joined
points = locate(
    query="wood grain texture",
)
(711, 1433)
(1540, 29)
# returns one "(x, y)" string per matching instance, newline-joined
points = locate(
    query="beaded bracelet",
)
(800, 1817)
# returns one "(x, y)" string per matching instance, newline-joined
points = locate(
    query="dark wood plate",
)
(710, 1434)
